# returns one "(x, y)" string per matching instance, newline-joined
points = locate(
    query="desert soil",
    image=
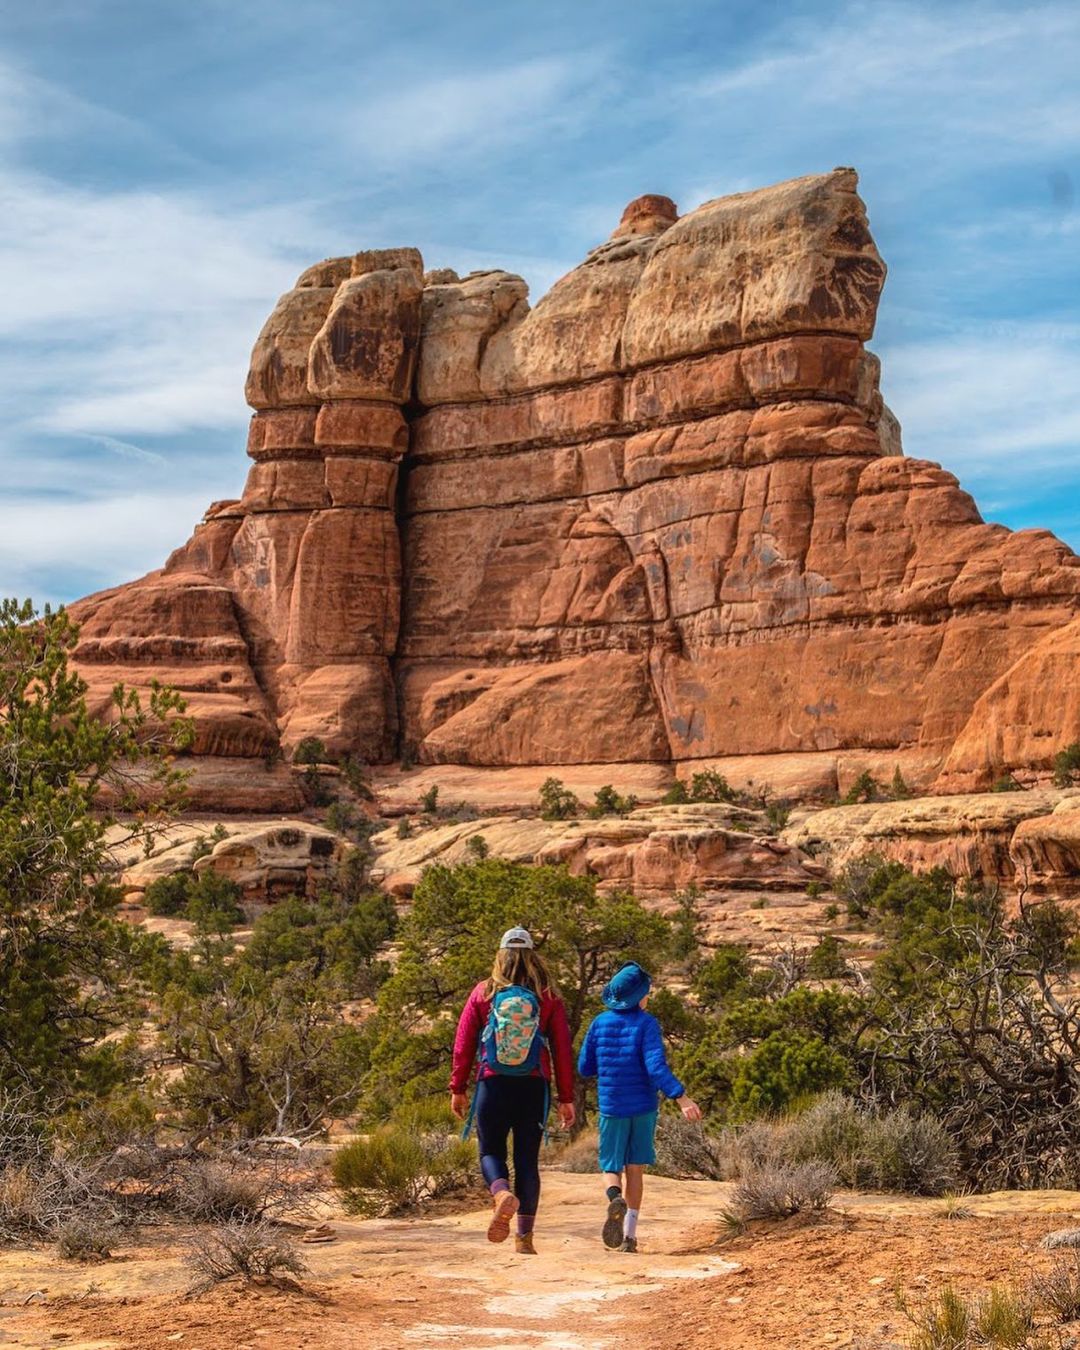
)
(436, 1282)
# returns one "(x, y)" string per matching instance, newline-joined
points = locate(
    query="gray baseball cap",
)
(517, 937)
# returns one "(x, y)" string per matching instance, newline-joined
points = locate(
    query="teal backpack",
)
(511, 1042)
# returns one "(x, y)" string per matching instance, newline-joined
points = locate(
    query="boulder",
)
(268, 860)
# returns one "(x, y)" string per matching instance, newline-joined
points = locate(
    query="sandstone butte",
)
(662, 518)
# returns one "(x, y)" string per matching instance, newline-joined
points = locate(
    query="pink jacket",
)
(553, 1025)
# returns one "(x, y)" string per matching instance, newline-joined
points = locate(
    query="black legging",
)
(504, 1103)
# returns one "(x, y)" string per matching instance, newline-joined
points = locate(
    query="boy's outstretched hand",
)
(689, 1108)
(567, 1114)
(459, 1104)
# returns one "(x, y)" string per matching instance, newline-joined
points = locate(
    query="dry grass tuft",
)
(777, 1190)
(249, 1251)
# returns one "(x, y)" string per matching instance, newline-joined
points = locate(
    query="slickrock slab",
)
(654, 851)
(1026, 838)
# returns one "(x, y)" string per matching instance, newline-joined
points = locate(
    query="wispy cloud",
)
(126, 450)
(998, 409)
(49, 544)
(970, 74)
(156, 197)
(469, 112)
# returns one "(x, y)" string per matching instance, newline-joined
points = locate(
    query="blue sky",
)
(166, 169)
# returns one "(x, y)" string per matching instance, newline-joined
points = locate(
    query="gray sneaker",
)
(628, 1245)
(616, 1212)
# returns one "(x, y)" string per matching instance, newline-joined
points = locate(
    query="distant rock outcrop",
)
(661, 517)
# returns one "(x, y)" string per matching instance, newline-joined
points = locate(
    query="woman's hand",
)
(459, 1104)
(689, 1108)
(567, 1115)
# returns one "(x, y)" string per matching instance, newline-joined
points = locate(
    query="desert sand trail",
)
(823, 1281)
(388, 1283)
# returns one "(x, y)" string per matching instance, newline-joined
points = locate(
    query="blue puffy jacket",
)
(625, 1052)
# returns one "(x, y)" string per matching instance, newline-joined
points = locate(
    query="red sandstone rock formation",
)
(660, 517)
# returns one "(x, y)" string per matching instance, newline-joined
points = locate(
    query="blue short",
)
(627, 1139)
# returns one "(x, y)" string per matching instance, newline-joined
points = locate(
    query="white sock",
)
(629, 1224)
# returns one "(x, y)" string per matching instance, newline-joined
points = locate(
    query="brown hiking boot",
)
(612, 1229)
(628, 1245)
(523, 1244)
(504, 1208)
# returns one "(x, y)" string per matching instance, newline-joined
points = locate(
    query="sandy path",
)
(387, 1284)
(402, 1284)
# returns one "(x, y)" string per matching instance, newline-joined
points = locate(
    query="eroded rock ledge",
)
(661, 517)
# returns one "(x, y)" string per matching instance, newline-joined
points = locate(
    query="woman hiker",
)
(515, 1023)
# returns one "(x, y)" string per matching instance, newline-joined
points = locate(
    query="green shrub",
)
(398, 1166)
(477, 847)
(208, 899)
(1003, 1319)
(1067, 765)
(711, 786)
(168, 896)
(404, 828)
(354, 772)
(778, 815)
(865, 788)
(315, 788)
(335, 938)
(686, 925)
(201, 848)
(863, 879)
(213, 903)
(1007, 783)
(726, 976)
(676, 795)
(814, 889)
(429, 800)
(311, 750)
(611, 803)
(831, 913)
(899, 789)
(827, 960)
(341, 818)
(786, 1066)
(557, 802)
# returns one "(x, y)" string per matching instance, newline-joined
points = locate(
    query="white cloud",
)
(126, 450)
(105, 540)
(998, 409)
(466, 114)
(129, 312)
(952, 80)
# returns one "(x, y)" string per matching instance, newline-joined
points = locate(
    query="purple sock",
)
(499, 1184)
(525, 1224)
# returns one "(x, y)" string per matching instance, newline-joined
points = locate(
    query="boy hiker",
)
(624, 1051)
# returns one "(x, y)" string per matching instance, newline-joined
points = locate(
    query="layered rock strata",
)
(1026, 840)
(661, 517)
(654, 851)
